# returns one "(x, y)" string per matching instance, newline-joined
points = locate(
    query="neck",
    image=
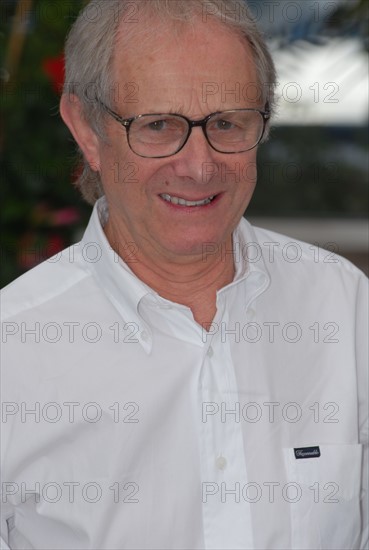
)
(192, 282)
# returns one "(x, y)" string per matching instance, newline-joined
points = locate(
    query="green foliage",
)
(38, 154)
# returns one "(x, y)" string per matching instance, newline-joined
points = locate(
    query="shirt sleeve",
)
(4, 532)
(6, 516)
(3, 546)
(362, 331)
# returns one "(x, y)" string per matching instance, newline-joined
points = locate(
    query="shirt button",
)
(144, 336)
(210, 352)
(252, 313)
(221, 463)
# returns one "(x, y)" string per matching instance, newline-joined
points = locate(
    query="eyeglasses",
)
(162, 135)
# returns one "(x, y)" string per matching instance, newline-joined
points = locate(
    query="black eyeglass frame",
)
(127, 122)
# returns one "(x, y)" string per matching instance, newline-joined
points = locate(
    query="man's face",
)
(201, 70)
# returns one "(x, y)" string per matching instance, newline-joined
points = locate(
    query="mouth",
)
(183, 202)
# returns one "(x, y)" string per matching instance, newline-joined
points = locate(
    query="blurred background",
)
(313, 172)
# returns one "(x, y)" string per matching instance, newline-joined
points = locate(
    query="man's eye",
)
(156, 125)
(224, 125)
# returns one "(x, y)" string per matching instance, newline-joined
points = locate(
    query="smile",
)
(183, 202)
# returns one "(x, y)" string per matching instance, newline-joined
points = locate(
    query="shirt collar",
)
(114, 276)
(251, 274)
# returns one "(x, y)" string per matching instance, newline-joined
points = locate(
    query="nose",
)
(196, 154)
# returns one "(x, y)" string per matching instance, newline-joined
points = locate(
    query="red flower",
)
(65, 216)
(54, 244)
(44, 215)
(54, 68)
(33, 249)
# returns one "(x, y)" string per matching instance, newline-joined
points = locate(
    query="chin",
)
(204, 247)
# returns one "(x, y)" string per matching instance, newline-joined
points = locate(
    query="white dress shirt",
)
(127, 426)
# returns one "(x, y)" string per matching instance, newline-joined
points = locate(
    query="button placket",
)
(221, 462)
(222, 453)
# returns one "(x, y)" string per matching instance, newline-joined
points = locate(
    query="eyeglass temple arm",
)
(267, 113)
(124, 121)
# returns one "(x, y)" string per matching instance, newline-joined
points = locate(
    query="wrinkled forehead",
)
(155, 59)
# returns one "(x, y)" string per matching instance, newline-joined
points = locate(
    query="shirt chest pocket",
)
(324, 496)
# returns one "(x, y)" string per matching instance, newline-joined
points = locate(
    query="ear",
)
(71, 113)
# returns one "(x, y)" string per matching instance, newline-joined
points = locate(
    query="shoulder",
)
(47, 281)
(287, 252)
(302, 270)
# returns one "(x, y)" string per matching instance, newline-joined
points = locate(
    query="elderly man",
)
(179, 378)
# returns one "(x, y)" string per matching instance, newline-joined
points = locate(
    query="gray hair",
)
(90, 47)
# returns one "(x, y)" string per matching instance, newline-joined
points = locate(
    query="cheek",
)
(118, 169)
(251, 172)
(241, 174)
(126, 184)
(109, 167)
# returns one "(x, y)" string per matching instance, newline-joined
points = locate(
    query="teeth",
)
(183, 202)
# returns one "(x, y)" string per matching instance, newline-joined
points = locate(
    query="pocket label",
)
(307, 452)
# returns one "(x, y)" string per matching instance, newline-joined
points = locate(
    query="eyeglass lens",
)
(160, 135)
